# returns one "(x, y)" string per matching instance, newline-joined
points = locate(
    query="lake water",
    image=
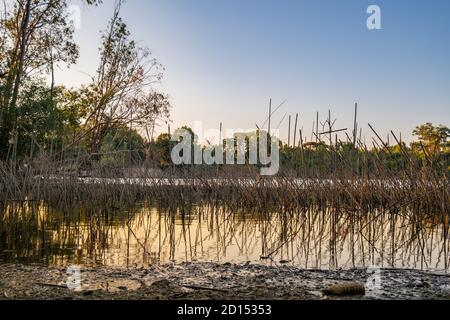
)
(311, 239)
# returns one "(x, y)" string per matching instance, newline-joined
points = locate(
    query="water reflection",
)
(310, 238)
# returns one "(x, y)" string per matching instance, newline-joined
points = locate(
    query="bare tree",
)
(120, 92)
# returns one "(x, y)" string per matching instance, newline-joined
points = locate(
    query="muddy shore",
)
(188, 281)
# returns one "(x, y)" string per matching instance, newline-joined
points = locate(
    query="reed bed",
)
(427, 192)
(355, 180)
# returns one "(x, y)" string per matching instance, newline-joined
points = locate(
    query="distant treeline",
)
(431, 149)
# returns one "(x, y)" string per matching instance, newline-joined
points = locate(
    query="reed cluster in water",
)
(422, 189)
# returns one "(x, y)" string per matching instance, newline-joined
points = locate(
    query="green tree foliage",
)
(35, 35)
(161, 149)
(121, 147)
(433, 140)
(43, 120)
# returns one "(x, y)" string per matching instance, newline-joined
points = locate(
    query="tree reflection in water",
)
(312, 238)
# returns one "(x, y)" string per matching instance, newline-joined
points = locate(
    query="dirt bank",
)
(213, 281)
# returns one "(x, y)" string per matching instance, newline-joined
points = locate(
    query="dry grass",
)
(427, 192)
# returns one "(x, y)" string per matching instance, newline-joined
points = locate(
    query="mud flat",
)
(188, 281)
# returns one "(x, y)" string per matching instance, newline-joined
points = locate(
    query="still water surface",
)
(313, 238)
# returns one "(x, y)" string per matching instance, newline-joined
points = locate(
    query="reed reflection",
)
(311, 238)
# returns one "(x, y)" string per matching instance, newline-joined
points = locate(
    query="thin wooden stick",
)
(355, 126)
(289, 133)
(295, 129)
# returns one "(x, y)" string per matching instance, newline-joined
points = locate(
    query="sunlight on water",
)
(313, 239)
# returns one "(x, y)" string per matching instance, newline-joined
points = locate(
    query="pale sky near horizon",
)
(224, 60)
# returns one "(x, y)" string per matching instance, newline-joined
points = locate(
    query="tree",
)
(433, 139)
(119, 92)
(155, 107)
(45, 119)
(34, 35)
(162, 148)
(32, 29)
(121, 146)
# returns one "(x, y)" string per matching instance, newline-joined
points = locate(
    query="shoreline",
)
(212, 281)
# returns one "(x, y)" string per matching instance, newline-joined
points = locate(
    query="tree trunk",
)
(23, 43)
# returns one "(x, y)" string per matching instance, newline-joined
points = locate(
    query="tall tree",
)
(120, 91)
(29, 31)
(34, 36)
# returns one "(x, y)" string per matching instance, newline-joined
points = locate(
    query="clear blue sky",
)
(225, 59)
